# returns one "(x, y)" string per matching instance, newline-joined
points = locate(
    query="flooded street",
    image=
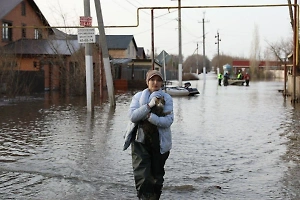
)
(229, 142)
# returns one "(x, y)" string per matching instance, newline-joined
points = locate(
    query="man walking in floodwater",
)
(239, 76)
(247, 78)
(226, 77)
(220, 77)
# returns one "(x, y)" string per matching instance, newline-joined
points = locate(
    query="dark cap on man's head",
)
(152, 73)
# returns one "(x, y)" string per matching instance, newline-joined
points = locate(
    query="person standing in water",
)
(225, 80)
(247, 78)
(150, 152)
(220, 78)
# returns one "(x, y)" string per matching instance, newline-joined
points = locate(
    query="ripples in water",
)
(228, 143)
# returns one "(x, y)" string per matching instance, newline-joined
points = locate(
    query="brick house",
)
(53, 60)
(20, 14)
(32, 51)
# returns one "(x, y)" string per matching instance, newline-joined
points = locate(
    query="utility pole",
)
(105, 55)
(89, 64)
(180, 45)
(218, 43)
(203, 26)
(197, 61)
(152, 38)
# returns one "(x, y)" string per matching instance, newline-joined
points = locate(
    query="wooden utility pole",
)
(106, 63)
(218, 43)
(203, 27)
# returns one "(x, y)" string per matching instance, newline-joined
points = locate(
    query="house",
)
(30, 50)
(129, 62)
(20, 14)
(141, 53)
(53, 60)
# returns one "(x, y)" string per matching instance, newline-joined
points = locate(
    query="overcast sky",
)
(235, 25)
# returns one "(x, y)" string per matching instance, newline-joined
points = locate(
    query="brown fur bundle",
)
(158, 109)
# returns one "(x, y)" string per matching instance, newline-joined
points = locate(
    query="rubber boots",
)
(154, 196)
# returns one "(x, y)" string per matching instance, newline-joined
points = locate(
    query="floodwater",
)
(233, 142)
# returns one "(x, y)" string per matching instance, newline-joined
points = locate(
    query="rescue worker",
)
(226, 77)
(247, 78)
(240, 76)
(220, 78)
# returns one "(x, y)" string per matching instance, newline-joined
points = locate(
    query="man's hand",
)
(152, 102)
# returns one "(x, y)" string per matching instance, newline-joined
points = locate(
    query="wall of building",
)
(290, 85)
(131, 51)
(27, 64)
(117, 53)
(276, 73)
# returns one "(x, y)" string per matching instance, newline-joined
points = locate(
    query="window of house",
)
(38, 34)
(23, 30)
(6, 32)
(23, 8)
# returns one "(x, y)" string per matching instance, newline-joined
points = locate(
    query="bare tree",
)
(224, 59)
(281, 49)
(194, 62)
(255, 54)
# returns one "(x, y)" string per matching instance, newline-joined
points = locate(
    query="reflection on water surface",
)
(228, 143)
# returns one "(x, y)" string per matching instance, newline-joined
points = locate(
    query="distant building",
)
(244, 65)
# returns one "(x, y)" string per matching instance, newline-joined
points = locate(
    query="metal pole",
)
(295, 50)
(197, 64)
(204, 68)
(180, 45)
(152, 37)
(165, 76)
(284, 78)
(88, 64)
(297, 44)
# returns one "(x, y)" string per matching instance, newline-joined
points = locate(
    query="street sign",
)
(86, 35)
(85, 21)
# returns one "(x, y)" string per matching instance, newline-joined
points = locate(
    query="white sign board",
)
(86, 35)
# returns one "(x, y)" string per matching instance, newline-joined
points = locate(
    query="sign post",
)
(87, 35)
(85, 21)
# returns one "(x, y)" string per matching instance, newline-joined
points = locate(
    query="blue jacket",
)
(139, 110)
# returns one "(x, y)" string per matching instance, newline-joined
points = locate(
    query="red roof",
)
(246, 63)
(241, 63)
